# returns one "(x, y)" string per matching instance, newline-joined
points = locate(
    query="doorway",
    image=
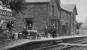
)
(29, 23)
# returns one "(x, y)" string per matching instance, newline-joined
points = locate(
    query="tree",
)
(15, 5)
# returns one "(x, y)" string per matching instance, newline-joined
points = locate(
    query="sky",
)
(81, 8)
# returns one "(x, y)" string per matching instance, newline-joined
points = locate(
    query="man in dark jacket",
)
(10, 25)
(25, 33)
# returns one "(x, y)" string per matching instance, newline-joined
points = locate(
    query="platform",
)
(20, 42)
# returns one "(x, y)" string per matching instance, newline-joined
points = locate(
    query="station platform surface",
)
(19, 42)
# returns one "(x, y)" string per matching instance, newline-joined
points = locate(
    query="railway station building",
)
(47, 14)
(39, 15)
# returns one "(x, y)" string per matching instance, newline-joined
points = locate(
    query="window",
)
(8, 14)
(53, 10)
(1, 12)
(11, 14)
(5, 13)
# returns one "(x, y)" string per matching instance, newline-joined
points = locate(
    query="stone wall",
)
(38, 13)
(65, 21)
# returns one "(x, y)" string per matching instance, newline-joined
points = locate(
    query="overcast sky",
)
(81, 8)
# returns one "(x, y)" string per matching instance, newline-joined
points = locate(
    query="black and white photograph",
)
(43, 25)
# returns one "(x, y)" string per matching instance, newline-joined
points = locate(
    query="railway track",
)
(66, 46)
(59, 46)
(80, 45)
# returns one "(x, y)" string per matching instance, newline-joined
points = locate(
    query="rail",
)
(62, 46)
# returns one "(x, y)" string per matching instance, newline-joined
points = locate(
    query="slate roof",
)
(34, 1)
(68, 7)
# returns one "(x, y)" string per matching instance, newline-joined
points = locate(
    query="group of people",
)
(50, 31)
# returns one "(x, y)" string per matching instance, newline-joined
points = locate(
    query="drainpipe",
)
(70, 24)
(60, 23)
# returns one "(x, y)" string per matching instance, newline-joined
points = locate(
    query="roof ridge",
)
(68, 7)
(68, 4)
